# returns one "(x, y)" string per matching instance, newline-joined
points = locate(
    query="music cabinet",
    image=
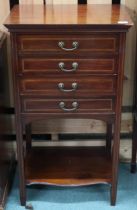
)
(68, 62)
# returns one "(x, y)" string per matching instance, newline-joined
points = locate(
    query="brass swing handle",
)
(75, 45)
(61, 87)
(74, 67)
(74, 106)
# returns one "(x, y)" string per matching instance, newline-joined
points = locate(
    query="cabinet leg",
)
(28, 136)
(20, 157)
(113, 193)
(115, 159)
(22, 200)
(134, 147)
(108, 139)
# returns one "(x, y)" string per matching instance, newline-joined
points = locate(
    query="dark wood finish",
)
(86, 86)
(60, 166)
(92, 16)
(101, 37)
(7, 158)
(49, 44)
(39, 105)
(42, 66)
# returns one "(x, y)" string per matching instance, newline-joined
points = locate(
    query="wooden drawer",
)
(80, 86)
(86, 43)
(68, 66)
(67, 105)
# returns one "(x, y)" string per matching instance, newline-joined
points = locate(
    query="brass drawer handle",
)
(74, 106)
(61, 87)
(75, 45)
(74, 67)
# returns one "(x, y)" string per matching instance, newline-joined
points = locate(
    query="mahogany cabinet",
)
(68, 62)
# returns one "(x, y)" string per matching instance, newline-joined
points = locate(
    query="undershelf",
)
(67, 166)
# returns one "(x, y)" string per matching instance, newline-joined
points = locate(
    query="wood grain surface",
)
(60, 14)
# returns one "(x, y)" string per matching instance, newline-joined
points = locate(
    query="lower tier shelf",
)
(68, 166)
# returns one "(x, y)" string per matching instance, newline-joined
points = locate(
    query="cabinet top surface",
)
(90, 14)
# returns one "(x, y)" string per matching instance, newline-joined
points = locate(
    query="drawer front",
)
(67, 106)
(68, 66)
(69, 86)
(69, 44)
